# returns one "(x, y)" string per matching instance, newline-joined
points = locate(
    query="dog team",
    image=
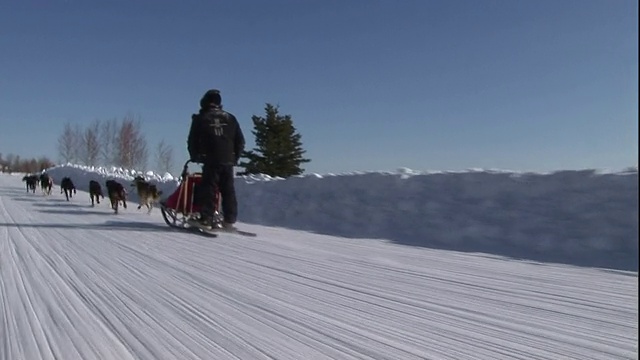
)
(116, 192)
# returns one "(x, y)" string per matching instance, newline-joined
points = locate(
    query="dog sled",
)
(182, 206)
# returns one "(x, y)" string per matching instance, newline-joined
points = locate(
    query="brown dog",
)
(32, 182)
(46, 183)
(67, 186)
(147, 193)
(95, 192)
(117, 194)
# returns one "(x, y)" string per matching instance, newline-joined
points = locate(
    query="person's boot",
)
(204, 222)
(228, 226)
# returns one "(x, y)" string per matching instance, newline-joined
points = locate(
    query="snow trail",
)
(81, 283)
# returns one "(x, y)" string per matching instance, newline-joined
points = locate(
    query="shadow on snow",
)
(107, 225)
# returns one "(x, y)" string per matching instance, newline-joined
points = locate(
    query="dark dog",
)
(32, 182)
(95, 192)
(116, 193)
(67, 186)
(147, 193)
(46, 183)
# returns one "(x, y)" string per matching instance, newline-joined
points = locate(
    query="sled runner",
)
(182, 206)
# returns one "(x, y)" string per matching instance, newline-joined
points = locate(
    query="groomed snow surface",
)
(403, 265)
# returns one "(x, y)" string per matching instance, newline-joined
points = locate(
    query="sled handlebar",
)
(185, 168)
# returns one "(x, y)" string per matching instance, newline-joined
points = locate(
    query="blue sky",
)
(371, 85)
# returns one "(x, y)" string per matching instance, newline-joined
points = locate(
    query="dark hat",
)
(211, 97)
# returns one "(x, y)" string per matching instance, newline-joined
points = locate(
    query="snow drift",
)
(585, 217)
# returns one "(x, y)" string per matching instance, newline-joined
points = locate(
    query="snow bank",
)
(582, 217)
(81, 175)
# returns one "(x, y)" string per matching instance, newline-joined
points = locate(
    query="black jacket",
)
(215, 137)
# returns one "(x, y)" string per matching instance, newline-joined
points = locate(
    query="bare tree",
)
(16, 163)
(131, 145)
(91, 144)
(79, 150)
(67, 144)
(44, 163)
(108, 141)
(6, 163)
(164, 156)
(4, 166)
(9, 161)
(30, 166)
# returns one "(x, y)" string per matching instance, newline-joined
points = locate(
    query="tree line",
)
(112, 142)
(14, 163)
(278, 151)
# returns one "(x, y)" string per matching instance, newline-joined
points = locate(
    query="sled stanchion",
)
(183, 195)
(184, 182)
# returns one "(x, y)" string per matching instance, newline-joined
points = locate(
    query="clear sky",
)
(370, 84)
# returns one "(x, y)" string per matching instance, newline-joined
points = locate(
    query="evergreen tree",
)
(278, 150)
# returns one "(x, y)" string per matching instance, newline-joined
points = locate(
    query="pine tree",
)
(278, 150)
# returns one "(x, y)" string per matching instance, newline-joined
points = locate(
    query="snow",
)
(579, 217)
(82, 283)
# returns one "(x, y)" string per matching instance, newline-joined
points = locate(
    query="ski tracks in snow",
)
(81, 283)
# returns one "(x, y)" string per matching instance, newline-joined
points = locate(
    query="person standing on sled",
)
(216, 141)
